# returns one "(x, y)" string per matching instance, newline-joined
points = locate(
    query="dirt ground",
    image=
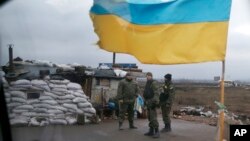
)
(237, 99)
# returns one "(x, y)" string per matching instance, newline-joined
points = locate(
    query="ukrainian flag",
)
(163, 31)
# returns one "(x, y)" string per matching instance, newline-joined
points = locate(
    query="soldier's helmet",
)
(168, 76)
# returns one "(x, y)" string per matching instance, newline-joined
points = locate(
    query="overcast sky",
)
(61, 31)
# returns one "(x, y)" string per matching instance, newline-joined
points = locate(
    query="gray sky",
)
(61, 31)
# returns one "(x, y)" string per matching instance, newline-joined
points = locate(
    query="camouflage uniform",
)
(166, 101)
(127, 92)
(151, 97)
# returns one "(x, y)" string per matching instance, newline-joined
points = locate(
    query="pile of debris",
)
(195, 111)
(46, 102)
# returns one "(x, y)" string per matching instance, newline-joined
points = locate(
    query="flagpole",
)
(222, 96)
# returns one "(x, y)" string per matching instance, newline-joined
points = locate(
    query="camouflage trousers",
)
(123, 109)
(166, 109)
(152, 118)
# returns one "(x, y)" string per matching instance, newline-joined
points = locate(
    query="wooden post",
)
(222, 115)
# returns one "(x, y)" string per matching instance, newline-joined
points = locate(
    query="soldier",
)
(127, 92)
(151, 97)
(166, 101)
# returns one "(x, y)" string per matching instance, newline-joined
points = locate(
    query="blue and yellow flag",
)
(163, 31)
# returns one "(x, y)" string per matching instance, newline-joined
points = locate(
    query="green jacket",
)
(154, 100)
(168, 94)
(127, 91)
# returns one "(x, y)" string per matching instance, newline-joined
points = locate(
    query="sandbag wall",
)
(58, 102)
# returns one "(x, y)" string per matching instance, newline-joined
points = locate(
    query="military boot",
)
(167, 128)
(131, 125)
(150, 132)
(157, 133)
(120, 126)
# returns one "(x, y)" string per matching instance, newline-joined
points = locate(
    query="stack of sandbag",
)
(60, 102)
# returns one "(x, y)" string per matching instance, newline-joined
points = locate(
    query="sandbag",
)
(38, 82)
(22, 86)
(69, 101)
(62, 82)
(46, 98)
(67, 97)
(44, 123)
(89, 114)
(51, 102)
(41, 87)
(40, 110)
(25, 107)
(70, 106)
(19, 111)
(50, 94)
(7, 100)
(43, 105)
(55, 112)
(29, 114)
(60, 108)
(7, 95)
(77, 94)
(19, 94)
(71, 120)
(89, 110)
(17, 89)
(58, 93)
(74, 86)
(33, 101)
(18, 122)
(21, 82)
(58, 121)
(56, 86)
(34, 122)
(14, 104)
(79, 111)
(17, 99)
(79, 100)
(84, 105)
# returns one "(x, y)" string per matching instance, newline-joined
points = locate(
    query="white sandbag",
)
(50, 94)
(69, 101)
(7, 95)
(19, 94)
(80, 91)
(77, 94)
(25, 107)
(21, 82)
(70, 106)
(43, 105)
(41, 87)
(34, 122)
(17, 89)
(19, 111)
(45, 115)
(17, 99)
(72, 111)
(58, 93)
(71, 120)
(89, 114)
(33, 101)
(89, 110)
(60, 108)
(21, 86)
(58, 121)
(74, 86)
(55, 112)
(38, 82)
(12, 115)
(40, 110)
(84, 105)
(29, 114)
(18, 122)
(44, 123)
(64, 82)
(51, 102)
(14, 104)
(79, 100)
(67, 97)
(54, 86)
(79, 111)
(7, 100)
(46, 98)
